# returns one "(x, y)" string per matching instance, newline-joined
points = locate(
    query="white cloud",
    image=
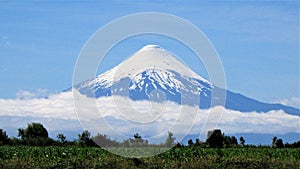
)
(120, 117)
(24, 94)
(56, 106)
(293, 102)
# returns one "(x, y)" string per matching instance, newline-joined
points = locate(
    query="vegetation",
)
(34, 149)
(215, 139)
(242, 141)
(3, 137)
(277, 142)
(183, 157)
(170, 140)
(35, 134)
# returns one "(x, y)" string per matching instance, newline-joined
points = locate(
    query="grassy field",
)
(186, 157)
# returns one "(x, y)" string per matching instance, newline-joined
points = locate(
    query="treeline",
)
(217, 139)
(35, 134)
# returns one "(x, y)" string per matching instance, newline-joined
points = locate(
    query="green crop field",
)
(185, 157)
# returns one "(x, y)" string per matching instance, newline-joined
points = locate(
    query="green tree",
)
(3, 137)
(170, 140)
(215, 138)
(197, 142)
(85, 139)
(242, 141)
(296, 144)
(35, 130)
(229, 141)
(34, 134)
(279, 143)
(190, 143)
(21, 133)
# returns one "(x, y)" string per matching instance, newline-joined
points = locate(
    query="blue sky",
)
(258, 42)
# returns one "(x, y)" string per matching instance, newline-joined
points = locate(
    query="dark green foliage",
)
(85, 139)
(292, 145)
(35, 130)
(34, 134)
(190, 143)
(178, 145)
(184, 157)
(229, 141)
(278, 143)
(215, 139)
(192, 156)
(242, 141)
(3, 137)
(21, 133)
(15, 141)
(198, 142)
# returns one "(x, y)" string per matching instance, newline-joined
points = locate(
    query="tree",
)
(35, 130)
(61, 138)
(198, 142)
(3, 137)
(229, 141)
(85, 138)
(170, 140)
(190, 143)
(34, 134)
(103, 140)
(277, 142)
(21, 133)
(296, 144)
(215, 138)
(242, 141)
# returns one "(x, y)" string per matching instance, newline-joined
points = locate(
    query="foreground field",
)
(186, 157)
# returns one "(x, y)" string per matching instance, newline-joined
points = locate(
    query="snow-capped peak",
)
(151, 46)
(152, 57)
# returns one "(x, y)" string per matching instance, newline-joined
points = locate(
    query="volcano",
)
(154, 74)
